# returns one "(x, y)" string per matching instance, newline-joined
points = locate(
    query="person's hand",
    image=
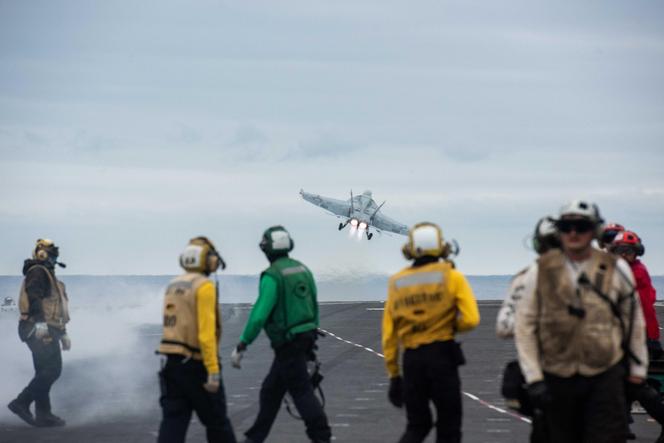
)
(237, 354)
(65, 341)
(41, 330)
(395, 393)
(539, 394)
(212, 384)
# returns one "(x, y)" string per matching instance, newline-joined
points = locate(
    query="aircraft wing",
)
(385, 223)
(333, 205)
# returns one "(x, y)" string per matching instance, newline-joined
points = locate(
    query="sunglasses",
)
(578, 226)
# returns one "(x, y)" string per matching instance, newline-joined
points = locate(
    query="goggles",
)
(624, 249)
(580, 226)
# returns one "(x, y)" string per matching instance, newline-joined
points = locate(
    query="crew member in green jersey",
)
(287, 309)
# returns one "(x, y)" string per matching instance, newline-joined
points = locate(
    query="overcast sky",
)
(128, 127)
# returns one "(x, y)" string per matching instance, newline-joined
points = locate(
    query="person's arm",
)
(262, 309)
(623, 281)
(206, 309)
(647, 294)
(468, 315)
(390, 339)
(38, 287)
(525, 331)
(506, 314)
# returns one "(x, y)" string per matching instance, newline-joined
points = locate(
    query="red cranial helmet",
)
(627, 241)
(610, 231)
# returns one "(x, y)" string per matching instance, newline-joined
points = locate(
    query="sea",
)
(119, 291)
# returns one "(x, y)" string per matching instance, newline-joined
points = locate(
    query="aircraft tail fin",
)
(376, 211)
(352, 209)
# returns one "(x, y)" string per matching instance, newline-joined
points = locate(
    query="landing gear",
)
(369, 235)
(341, 226)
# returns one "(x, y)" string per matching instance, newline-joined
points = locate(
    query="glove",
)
(65, 341)
(237, 354)
(539, 394)
(41, 330)
(212, 384)
(395, 393)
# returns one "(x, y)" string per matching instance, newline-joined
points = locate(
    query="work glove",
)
(395, 393)
(65, 341)
(41, 330)
(237, 354)
(212, 384)
(539, 394)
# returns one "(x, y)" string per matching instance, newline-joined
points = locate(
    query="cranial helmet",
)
(545, 236)
(276, 241)
(609, 232)
(425, 239)
(45, 249)
(583, 209)
(628, 241)
(200, 255)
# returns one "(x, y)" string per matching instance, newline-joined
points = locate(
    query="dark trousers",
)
(430, 374)
(649, 398)
(182, 393)
(47, 361)
(288, 373)
(587, 409)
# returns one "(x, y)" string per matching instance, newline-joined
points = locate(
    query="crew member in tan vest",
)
(44, 312)
(191, 375)
(580, 333)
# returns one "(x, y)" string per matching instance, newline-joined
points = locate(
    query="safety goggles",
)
(580, 226)
(623, 249)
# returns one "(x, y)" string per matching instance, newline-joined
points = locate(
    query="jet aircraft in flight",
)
(360, 211)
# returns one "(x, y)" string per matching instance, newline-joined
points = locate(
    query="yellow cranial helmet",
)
(425, 239)
(200, 255)
(44, 248)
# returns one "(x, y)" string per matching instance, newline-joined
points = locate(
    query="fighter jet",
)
(360, 211)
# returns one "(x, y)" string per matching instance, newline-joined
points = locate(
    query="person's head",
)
(578, 223)
(46, 251)
(609, 232)
(276, 243)
(628, 245)
(425, 240)
(545, 236)
(200, 255)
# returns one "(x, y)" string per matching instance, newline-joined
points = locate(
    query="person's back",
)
(427, 304)
(287, 308)
(190, 379)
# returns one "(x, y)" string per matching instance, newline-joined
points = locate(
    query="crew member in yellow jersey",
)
(191, 376)
(427, 304)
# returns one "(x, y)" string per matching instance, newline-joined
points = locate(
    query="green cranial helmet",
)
(276, 241)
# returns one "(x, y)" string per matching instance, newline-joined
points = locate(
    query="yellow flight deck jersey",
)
(425, 304)
(191, 322)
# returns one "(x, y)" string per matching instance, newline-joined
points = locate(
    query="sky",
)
(127, 128)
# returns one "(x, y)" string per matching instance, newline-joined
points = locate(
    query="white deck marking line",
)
(467, 394)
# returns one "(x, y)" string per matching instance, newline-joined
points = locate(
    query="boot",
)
(48, 420)
(23, 411)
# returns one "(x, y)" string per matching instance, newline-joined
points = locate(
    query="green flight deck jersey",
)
(287, 304)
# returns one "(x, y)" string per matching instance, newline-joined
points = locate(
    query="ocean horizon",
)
(133, 290)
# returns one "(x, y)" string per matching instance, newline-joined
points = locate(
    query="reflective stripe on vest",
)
(421, 278)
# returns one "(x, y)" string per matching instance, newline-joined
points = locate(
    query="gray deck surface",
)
(102, 406)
